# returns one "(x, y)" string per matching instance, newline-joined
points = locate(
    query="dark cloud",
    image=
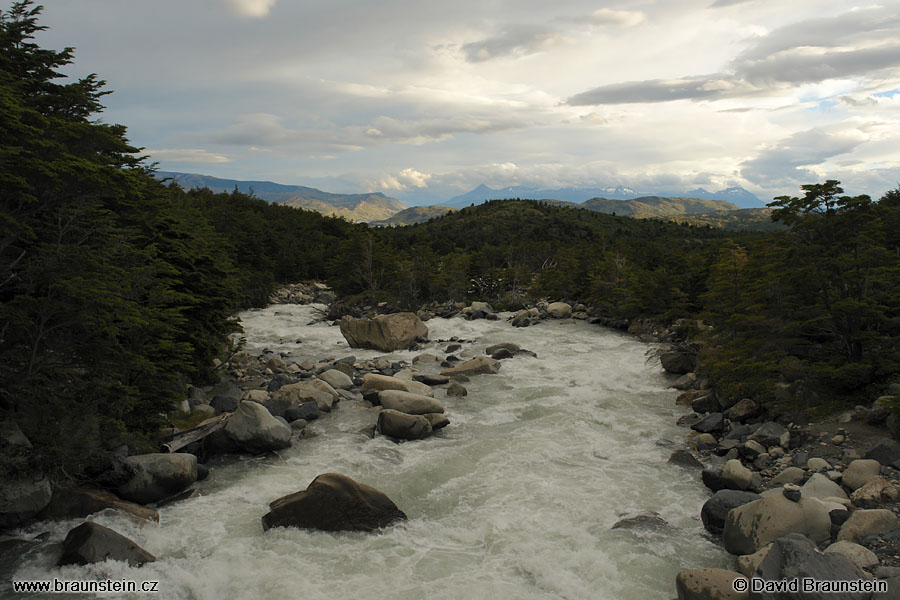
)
(660, 90)
(519, 41)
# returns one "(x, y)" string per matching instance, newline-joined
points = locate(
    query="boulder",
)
(886, 451)
(705, 402)
(158, 476)
(819, 486)
(708, 584)
(334, 502)
(685, 382)
(437, 420)
(817, 464)
(255, 430)
(863, 523)
(648, 521)
(22, 498)
(77, 503)
(717, 507)
(411, 404)
(373, 382)
(860, 472)
(679, 363)
(456, 390)
(476, 366)
(295, 394)
(431, 380)
(789, 475)
(875, 493)
(712, 423)
(308, 411)
(398, 331)
(684, 458)
(753, 525)
(336, 379)
(772, 434)
(860, 556)
(736, 476)
(744, 409)
(793, 556)
(514, 348)
(222, 404)
(748, 563)
(402, 426)
(90, 543)
(559, 310)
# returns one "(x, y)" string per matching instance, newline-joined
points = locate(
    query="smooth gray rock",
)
(412, 404)
(398, 331)
(863, 523)
(158, 476)
(753, 525)
(736, 476)
(255, 430)
(683, 458)
(772, 434)
(477, 366)
(860, 472)
(336, 379)
(708, 584)
(717, 507)
(22, 498)
(402, 426)
(819, 486)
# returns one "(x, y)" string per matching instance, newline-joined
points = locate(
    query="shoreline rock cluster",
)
(819, 500)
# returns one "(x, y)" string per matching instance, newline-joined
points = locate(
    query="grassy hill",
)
(413, 215)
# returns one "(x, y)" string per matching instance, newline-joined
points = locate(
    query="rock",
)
(426, 358)
(222, 404)
(431, 380)
(876, 492)
(255, 430)
(743, 410)
(789, 475)
(398, 331)
(706, 403)
(514, 348)
(712, 479)
(12, 436)
(736, 476)
(683, 458)
(559, 310)
(226, 388)
(863, 523)
(819, 486)
(158, 476)
(817, 464)
(411, 404)
(791, 491)
(751, 449)
(374, 382)
(708, 584)
(334, 502)
(650, 521)
(295, 394)
(772, 434)
(749, 563)
(202, 473)
(679, 363)
(308, 411)
(753, 525)
(793, 556)
(336, 379)
(860, 556)
(22, 498)
(685, 382)
(501, 354)
(456, 390)
(437, 420)
(713, 423)
(860, 472)
(90, 543)
(78, 503)
(476, 366)
(400, 425)
(886, 451)
(717, 507)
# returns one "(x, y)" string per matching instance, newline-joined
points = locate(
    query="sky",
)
(423, 100)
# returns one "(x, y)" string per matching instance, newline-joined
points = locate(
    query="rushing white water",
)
(515, 499)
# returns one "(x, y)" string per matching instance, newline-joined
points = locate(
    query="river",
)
(513, 500)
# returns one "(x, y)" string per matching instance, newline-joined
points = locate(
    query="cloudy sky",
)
(426, 99)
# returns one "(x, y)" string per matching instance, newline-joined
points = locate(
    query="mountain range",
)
(736, 195)
(354, 207)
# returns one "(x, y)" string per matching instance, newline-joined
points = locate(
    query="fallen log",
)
(176, 441)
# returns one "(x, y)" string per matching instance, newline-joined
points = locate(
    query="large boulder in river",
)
(477, 366)
(254, 429)
(411, 404)
(158, 476)
(334, 502)
(753, 525)
(402, 426)
(91, 543)
(677, 362)
(559, 310)
(336, 379)
(77, 503)
(387, 333)
(22, 498)
(296, 394)
(716, 509)
(373, 382)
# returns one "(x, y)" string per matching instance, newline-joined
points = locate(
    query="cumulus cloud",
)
(793, 160)
(191, 155)
(404, 180)
(514, 42)
(251, 8)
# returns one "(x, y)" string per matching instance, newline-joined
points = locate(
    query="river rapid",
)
(513, 500)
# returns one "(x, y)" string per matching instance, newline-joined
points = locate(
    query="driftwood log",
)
(176, 441)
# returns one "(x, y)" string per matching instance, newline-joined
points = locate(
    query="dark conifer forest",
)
(117, 290)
